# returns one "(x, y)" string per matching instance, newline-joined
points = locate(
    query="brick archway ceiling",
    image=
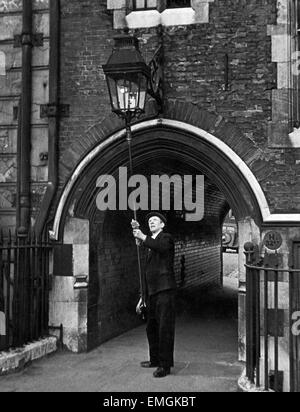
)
(166, 142)
(149, 147)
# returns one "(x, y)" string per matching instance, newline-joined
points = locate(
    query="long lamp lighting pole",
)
(129, 80)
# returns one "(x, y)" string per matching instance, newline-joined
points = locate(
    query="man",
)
(160, 295)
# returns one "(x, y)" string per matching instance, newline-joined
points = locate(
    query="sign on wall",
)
(273, 240)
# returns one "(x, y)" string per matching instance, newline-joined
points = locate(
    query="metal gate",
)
(24, 290)
(266, 315)
(295, 317)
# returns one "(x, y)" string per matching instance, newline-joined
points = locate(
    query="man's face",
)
(156, 224)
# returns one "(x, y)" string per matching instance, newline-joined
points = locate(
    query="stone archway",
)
(213, 131)
(202, 140)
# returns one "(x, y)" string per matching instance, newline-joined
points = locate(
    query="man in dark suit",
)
(160, 295)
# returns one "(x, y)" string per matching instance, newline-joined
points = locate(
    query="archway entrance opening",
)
(198, 246)
(113, 279)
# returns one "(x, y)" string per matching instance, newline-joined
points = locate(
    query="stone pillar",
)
(69, 295)
(248, 232)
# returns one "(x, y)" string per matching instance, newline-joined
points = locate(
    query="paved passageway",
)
(206, 356)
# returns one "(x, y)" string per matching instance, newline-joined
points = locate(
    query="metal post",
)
(291, 309)
(250, 320)
(258, 344)
(52, 121)
(2, 294)
(276, 341)
(266, 328)
(24, 144)
(8, 294)
(249, 253)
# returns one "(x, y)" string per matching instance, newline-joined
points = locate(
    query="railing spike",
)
(16, 238)
(36, 237)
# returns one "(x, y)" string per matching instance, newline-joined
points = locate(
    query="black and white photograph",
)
(149, 199)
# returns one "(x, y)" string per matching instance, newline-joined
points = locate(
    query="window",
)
(144, 4)
(172, 4)
(154, 4)
(137, 14)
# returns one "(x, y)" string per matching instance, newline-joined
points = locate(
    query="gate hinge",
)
(54, 110)
(36, 40)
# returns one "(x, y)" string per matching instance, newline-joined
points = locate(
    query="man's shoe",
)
(149, 364)
(161, 372)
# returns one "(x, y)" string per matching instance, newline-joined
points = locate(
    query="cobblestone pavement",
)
(206, 356)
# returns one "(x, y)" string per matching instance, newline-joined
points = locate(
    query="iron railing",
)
(265, 322)
(294, 279)
(24, 288)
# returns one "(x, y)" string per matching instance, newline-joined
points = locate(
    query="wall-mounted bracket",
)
(53, 110)
(35, 40)
(157, 77)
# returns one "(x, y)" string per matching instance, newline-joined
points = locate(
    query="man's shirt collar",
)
(156, 234)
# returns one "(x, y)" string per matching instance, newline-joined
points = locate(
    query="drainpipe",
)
(53, 118)
(24, 149)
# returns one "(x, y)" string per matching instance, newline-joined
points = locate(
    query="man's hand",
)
(138, 308)
(135, 224)
(138, 234)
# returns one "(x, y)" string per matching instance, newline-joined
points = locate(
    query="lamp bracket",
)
(54, 110)
(157, 76)
(34, 40)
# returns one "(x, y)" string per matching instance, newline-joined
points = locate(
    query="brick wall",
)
(200, 245)
(195, 57)
(195, 62)
(202, 259)
(86, 43)
(195, 71)
(114, 281)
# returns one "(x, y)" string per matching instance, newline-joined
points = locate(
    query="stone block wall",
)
(10, 90)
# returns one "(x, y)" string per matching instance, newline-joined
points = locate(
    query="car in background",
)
(230, 241)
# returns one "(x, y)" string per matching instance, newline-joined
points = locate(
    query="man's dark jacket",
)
(160, 264)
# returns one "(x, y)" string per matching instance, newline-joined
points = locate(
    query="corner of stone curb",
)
(16, 359)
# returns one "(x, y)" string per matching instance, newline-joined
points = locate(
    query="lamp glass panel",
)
(128, 91)
(140, 4)
(113, 93)
(128, 95)
(143, 81)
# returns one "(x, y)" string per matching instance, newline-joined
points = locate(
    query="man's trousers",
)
(161, 328)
